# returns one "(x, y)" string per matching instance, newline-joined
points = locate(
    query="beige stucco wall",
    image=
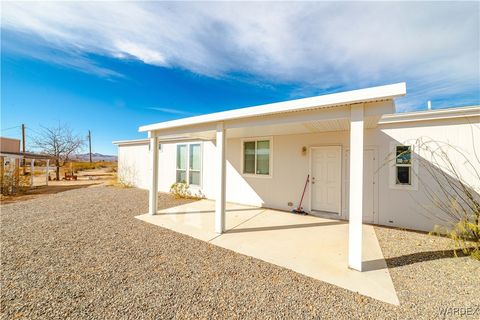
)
(395, 206)
(9, 145)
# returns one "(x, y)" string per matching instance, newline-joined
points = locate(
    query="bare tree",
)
(59, 142)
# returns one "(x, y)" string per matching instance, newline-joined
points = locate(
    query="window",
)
(194, 165)
(256, 157)
(189, 163)
(182, 163)
(403, 165)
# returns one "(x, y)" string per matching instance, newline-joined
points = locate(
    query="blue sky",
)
(110, 67)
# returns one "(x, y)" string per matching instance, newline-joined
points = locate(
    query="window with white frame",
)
(257, 157)
(189, 157)
(403, 165)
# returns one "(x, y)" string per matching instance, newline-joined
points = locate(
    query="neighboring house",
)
(11, 160)
(362, 157)
(9, 145)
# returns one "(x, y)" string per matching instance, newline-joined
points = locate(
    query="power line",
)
(37, 132)
(10, 128)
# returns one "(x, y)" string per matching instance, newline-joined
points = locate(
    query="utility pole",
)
(23, 148)
(90, 145)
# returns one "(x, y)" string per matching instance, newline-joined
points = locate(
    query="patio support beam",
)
(47, 172)
(2, 172)
(221, 181)
(356, 188)
(153, 194)
(32, 169)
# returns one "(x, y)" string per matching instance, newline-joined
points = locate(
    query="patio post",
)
(47, 171)
(32, 169)
(356, 188)
(153, 194)
(220, 194)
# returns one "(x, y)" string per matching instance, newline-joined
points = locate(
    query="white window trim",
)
(187, 170)
(393, 168)
(270, 160)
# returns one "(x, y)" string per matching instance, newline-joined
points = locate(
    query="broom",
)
(299, 209)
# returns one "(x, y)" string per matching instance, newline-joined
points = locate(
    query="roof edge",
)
(428, 115)
(131, 142)
(385, 92)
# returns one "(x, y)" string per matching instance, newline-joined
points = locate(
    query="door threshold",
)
(325, 214)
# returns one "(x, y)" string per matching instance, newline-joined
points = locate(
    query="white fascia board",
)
(429, 115)
(131, 142)
(335, 99)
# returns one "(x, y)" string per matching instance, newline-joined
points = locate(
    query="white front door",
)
(326, 179)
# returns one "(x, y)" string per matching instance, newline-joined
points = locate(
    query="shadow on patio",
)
(313, 246)
(286, 227)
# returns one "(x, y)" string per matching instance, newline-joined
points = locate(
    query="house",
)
(365, 162)
(9, 145)
(11, 160)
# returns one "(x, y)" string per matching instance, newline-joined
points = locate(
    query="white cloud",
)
(171, 111)
(314, 45)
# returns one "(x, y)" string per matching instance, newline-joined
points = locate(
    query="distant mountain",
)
(95, 157)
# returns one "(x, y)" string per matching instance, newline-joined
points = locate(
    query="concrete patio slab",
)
(196, 219)
(313, 246)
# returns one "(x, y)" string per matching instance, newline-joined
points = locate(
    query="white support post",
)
(356, 188)
(47, 172)
(32, 169)
(153, 194)
(220, 194)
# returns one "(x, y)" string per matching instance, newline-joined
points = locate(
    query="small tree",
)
(58, 142)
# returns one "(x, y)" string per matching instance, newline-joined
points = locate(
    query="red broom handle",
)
(303, 194)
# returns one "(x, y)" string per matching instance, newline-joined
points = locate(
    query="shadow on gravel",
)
(408, 259)
(57, 189)
(42, 190)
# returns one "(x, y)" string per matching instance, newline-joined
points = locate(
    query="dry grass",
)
(77, 166)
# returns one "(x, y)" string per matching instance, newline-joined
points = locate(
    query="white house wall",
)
(409, 208)
(396, 207)
(133, 165)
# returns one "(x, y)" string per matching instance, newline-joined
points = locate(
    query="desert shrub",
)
(465, 234)
(14, 183)
(180, 190)
(450, 181)
(456, 199)
(124, 181)
(127, 175)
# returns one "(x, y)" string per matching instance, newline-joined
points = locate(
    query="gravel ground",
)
(82, 254)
